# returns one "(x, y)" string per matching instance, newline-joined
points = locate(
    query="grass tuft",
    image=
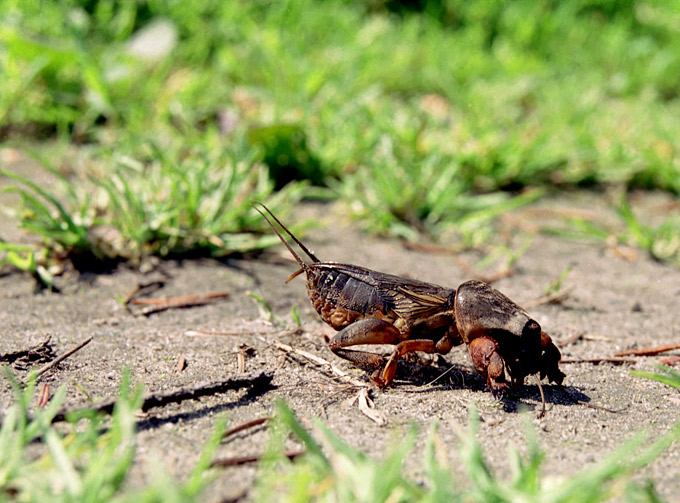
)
(331, 470)
(88, 460)
(169, 200)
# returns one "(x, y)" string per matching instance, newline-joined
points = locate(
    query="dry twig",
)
(244, 460)
(366, 405)
(205, 333)
(61, 358)
(596, 361)
(496, 422)
(651, 351)
(157, 305)
(436, 249)
(325, 363)
(44, 395)
(448, 370)
(588, 404)
(569, 340)
(486, 278)
(547, 299)
(245, 426)
(142, 288)
(432, 248)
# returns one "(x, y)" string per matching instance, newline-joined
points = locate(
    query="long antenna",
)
(303, 265)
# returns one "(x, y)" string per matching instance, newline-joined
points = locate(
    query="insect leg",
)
(550, 358)
(366, 331)
(487, 361)
(425, 345)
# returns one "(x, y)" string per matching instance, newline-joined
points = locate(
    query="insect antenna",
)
(540, 388)
(303, 266)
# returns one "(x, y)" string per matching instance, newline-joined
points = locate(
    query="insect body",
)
(370, 307)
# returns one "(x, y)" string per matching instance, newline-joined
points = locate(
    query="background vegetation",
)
(423, 115)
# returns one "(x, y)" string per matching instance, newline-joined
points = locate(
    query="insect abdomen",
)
(341, 300)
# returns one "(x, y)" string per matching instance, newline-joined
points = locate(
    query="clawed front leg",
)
(366, 331)
(487, 361)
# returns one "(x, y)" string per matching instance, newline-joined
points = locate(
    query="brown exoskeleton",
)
(369, 307)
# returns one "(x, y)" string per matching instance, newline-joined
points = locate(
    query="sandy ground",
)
(619, 299)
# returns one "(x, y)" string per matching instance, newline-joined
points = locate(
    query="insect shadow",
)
(441, 376)
(529, 397)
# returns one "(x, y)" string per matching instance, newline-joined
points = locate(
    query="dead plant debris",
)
(244, 460)
(596, 361)
(61, 358)
(153, 306)
(552, 298)
(23, 359)
(650, 351)
(246, 426)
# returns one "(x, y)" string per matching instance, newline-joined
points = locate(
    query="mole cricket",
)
(369, 307)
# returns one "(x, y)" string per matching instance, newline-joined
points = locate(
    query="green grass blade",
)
(48, 197)
(667, 375)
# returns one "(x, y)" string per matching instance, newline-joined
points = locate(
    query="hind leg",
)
(366, 331)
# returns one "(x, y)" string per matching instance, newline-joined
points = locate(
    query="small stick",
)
(547, 299)
(467, 268)
(320, 361)
(505, 273)
(61, 358)
(464, 266)
(181, 299)
(648, 351)
(158, 305)
(588, 404)
(595, 361)
(155, 285)
(182, 363)
(432, 248)
(44, 395)
(244, 460)
(438, 377)
(246, 426)
(204, 333)
(253, 381)
(595, 337)
(670, 360)
(241, 362)
(569, 340)
(496, 422)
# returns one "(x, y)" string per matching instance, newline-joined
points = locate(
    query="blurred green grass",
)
(421, 115)
(91, 459)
